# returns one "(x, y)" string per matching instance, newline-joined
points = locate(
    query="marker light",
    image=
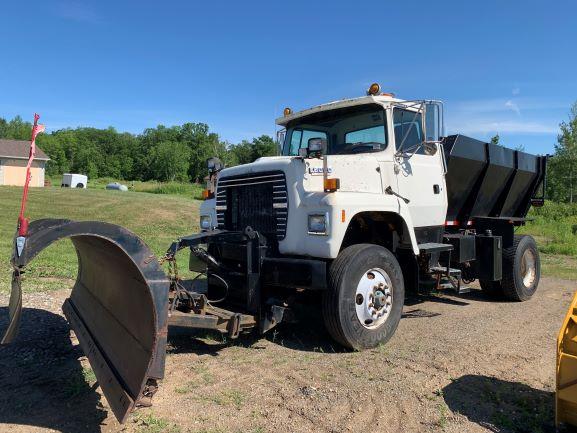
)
(331, 185)
(287, 111)
(374, 89)
(206, 194)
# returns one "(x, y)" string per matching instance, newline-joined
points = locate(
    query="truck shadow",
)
(42, 381)
(501, 406)
(307, 335)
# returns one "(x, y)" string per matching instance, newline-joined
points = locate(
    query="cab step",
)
(444, 270)
(434, 247)
(453, 279)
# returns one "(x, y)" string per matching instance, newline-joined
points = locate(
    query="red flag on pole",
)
(22, 221)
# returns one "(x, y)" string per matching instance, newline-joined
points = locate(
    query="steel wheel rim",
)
(374, 298)
(528, 268)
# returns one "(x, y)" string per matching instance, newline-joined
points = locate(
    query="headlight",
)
(205, 222)
(319, 224)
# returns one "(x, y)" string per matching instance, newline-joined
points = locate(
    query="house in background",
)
(13, 160)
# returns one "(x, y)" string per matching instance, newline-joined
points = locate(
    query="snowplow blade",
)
(118, 306)
(566, 392)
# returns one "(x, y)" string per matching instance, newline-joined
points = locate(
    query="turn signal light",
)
(206, 194)
(331, 185)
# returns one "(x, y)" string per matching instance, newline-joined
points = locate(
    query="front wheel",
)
(363, 304)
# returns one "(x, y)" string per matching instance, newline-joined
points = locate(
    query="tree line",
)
(562, 166)
(175, 153)
(180, 152)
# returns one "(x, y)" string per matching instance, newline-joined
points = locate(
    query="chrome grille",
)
(258, 200)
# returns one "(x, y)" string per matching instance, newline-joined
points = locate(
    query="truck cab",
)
(376, 148)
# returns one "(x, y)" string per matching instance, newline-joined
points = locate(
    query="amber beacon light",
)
(374, 89)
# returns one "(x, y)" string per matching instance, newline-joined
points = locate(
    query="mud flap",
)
(118, 307)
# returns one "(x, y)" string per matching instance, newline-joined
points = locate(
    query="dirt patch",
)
(456, 364)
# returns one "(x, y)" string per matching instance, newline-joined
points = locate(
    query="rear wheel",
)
(364, 301)
(521, 271)
(491, 288)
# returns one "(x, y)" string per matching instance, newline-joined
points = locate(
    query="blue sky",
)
(506, 67)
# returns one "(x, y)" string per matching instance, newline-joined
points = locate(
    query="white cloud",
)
(496, 105)
(504, 116)
(502, 127)
(513, 107)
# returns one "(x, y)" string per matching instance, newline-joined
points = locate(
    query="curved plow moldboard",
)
(118, 306)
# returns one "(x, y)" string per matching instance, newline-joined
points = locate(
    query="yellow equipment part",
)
(566, 395)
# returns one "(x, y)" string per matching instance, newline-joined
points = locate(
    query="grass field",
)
(173, 188)
(157, 218)
(554, 226)
(162, 217)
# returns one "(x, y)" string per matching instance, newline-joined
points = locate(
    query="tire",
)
(79, 185)
(492, 289)
(513, 287)
(349, 275)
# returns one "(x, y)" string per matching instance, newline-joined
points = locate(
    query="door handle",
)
(436, 189)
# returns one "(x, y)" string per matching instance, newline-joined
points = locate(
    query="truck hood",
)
(268, 163)
(358, 173)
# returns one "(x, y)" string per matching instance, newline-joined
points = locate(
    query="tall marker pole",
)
(22, 220)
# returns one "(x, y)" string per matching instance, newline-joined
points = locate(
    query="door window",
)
(408, 127)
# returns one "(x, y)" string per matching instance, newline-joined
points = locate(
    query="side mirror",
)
(214, 165)
(280, 137)
(316, 147)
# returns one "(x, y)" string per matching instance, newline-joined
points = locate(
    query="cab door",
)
(420, 174)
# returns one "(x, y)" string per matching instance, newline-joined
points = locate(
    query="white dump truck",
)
(367, 201)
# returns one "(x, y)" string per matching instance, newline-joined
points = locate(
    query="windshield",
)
(347, 131)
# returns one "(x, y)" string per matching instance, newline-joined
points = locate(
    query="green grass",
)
(192, 190)
(152, 424)
(559, 266)
(160, 218)
(231, 397)
(555, 228)
(157, 219)
(80, 384)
